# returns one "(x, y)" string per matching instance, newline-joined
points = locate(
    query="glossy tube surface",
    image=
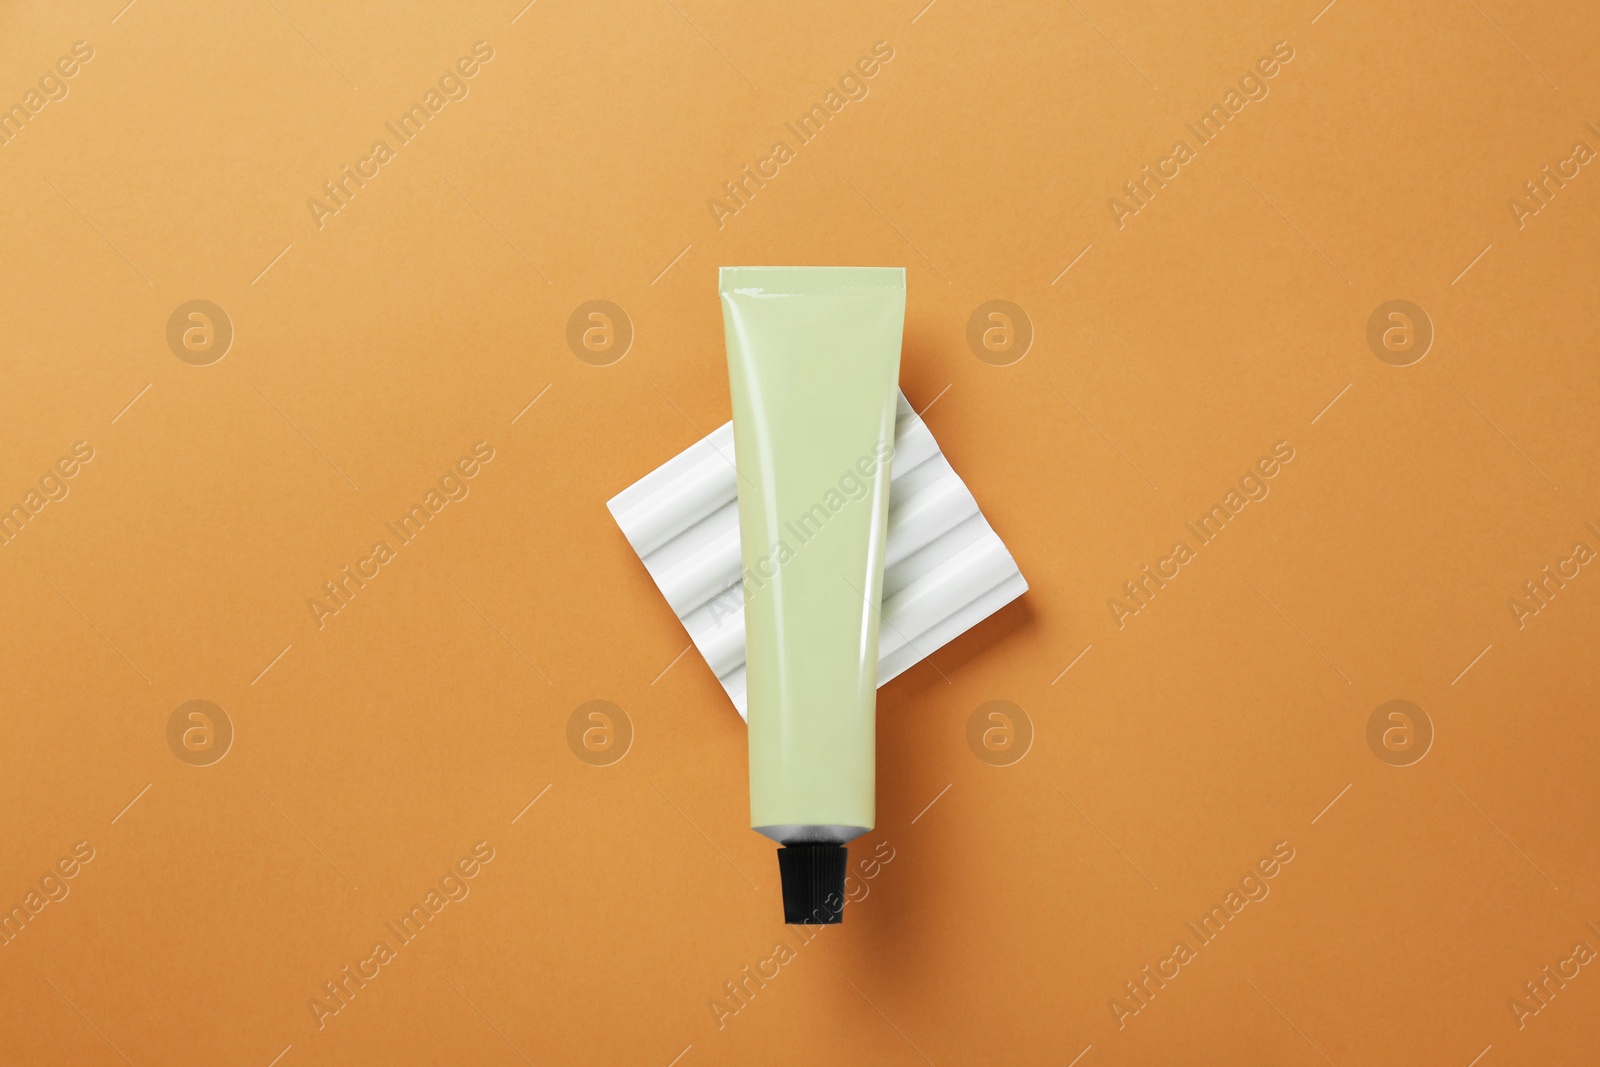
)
(813, 364)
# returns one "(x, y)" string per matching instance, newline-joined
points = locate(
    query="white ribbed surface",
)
(946, 569)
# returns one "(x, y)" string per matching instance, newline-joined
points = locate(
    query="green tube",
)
(813, 366)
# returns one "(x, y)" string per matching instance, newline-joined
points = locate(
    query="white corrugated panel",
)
(946, 569)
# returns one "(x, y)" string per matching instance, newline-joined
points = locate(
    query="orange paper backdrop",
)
(1263, 334)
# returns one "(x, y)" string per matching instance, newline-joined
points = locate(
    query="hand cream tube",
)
(813, 365)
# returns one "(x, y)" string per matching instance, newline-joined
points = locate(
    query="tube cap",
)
(813, 883)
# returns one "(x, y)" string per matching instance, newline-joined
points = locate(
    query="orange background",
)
(370, 354)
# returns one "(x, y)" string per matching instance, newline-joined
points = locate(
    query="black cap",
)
(813, 883)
